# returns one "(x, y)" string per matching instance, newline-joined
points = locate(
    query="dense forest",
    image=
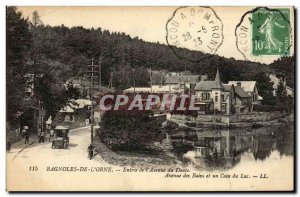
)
(68, 50)
(59, 53)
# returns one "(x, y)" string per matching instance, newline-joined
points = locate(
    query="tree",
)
(141, 77)
(52, 96)
(285, 66)
(128, 130)
(282, 100)
(36, 19)
(18, 43)
(265, 88)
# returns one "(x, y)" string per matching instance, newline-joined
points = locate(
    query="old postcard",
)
(150, 98)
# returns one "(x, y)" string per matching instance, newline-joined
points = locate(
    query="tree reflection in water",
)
(222, 149)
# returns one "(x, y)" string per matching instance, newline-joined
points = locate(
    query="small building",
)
(214, 97)
(243, 100)
(276, 79)
(156, 89)
(249, 87)
(68, 113)
(76, 111)
(189, 81)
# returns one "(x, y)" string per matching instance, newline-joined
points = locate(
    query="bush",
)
(128, 130)
(264, 108)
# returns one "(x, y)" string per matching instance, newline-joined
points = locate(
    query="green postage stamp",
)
(265, 33)
(271, 32)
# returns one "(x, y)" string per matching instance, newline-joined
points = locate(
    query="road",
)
(42, 156)
(77, 150)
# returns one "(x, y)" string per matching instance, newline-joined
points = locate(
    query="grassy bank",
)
(132, 158)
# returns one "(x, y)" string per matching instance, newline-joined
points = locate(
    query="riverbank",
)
(134, 159)
(235, 121)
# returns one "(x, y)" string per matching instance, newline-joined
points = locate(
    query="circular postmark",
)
(264, 34)
(198, 29)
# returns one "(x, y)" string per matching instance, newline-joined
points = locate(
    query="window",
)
(224, 107)
(223, 98)
(216, 98)
(205, 96)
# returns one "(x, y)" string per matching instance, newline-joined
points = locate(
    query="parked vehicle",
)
(61, 137)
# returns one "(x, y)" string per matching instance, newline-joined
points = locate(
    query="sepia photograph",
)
(150, 98)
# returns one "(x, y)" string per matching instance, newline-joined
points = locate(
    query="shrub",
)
(128, 130)
(264, 108)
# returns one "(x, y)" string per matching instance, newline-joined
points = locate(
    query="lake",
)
(224, 149)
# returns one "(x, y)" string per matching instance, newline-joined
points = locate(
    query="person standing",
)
(40, 135)
(91, 151)
(27, 137)
(43, 136)
(23, 132)
(51, 135)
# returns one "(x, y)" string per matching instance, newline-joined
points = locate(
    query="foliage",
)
(128, 130)
(18, 43)
(285, 68)
(283, 101)
(264, 108)
(52, 96)
(55, 54)
(265, 88)
(74, 47)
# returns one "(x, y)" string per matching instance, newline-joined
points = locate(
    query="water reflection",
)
(222, 149)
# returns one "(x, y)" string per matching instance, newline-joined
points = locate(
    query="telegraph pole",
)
(99, 63)
(94, 73)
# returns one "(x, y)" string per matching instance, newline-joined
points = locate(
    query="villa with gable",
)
(214, 97)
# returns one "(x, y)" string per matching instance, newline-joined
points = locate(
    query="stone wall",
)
(253, 117)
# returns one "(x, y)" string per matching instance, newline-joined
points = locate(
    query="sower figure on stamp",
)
(268, 29)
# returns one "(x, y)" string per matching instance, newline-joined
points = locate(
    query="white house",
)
(214, 97)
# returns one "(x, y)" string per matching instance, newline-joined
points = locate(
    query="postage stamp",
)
(196, 29)
(264, 33)
(269, 33)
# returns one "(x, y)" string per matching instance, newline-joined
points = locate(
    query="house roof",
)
(183, 78)
(226, 87)
(67, 109)
(203, 77)
(209, 85)
(155, 89)
(60, 127)
(248, 86)
(206, 85)
(75, 104)
(83, 102)
(218, 80)
(240, 92)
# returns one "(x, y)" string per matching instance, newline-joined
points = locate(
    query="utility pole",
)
(151, 79)
(110, 81)
(100, 68)
(94, 73)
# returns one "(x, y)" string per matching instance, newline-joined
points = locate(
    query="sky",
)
(147, 23)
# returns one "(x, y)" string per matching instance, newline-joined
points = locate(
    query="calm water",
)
(223, 149)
